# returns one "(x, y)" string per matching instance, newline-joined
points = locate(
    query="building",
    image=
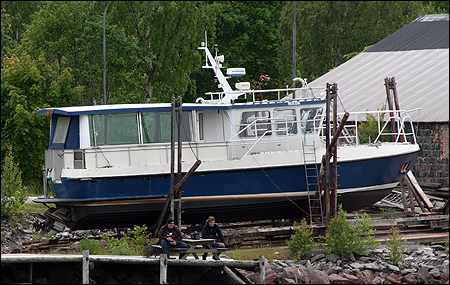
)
(417, 56)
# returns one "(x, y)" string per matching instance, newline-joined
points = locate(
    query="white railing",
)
(304, 93)
(399, 134)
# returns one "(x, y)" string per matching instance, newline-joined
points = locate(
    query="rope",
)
(185, 134)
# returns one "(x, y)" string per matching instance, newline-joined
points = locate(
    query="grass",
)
(34, 208)
(280, 253)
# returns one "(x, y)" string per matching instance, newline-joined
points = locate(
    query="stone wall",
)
(433, 163)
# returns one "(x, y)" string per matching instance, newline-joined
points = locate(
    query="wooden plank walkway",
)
(162, 262)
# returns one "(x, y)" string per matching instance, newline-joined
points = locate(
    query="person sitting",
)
(212, 231)
(170, 236)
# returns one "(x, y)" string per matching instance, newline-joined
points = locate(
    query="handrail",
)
(259, 137)
(220, 95)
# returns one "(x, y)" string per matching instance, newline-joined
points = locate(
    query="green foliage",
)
(394, 244)
(301, 242)
(369, 129)
(28, 85)
(14, 194)
(126, 245)
(329, 30)
(344, 238)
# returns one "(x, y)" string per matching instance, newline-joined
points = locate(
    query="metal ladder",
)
(312, 183)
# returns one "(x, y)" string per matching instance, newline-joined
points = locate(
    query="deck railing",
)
(351, 134)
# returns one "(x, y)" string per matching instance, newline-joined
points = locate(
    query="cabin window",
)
(156, 127)
(310, 117)
(200, 126)
(62, 126)
(114, 129)
(286, 120)
(259, 122)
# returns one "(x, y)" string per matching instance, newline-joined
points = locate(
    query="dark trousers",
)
(216, 245)
(166, 245)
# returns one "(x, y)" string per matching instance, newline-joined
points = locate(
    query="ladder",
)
(312, 183)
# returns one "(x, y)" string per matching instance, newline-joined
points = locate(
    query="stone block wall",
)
(433, 162)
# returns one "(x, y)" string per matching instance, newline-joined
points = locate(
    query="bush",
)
(301, 242)
(344, 238)
(126, 245)
(14, 194)
(394, 244)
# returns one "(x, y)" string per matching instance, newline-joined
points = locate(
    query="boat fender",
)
(200, 100)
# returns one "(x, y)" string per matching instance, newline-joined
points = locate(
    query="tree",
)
(14, 194)
(16, 15)
(328, 30)
(166, 34)
(27, 86)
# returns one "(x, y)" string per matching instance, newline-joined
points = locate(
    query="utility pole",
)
(104, 55)
(294, 42)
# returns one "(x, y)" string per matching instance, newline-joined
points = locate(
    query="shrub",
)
(394, 244)
(301, 242)
(344, 238)
(14, 194)
(126, 245)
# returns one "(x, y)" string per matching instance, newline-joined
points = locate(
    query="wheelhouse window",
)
(255, 123)
(286, 119)
(62, 126)
(156, 127)
(310, 119)
(114, 129)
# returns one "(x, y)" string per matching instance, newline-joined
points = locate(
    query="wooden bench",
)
(194, 250)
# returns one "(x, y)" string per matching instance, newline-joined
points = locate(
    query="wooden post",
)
(333, 194)
(390, 104)
(163, 269)
(30, 277)
(178, 104)
(85, 267)
(262, 269)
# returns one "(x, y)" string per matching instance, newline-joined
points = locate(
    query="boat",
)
(111, 166)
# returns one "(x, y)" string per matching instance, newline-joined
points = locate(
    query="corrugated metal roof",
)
(425, 32)
(422, 77)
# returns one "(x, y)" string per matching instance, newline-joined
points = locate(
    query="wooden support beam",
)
(416, 187)
(233, 275)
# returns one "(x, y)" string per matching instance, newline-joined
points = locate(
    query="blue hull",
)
(128, 201)
(357, 174)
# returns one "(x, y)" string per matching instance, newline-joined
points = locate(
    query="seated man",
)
(170, 236)
(212, 231)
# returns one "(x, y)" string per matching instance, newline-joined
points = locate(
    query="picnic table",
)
(196, 247)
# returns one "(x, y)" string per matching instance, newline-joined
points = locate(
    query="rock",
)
(428, 251)
(393, 267)
(317, 257)
(423, 276)
(288, 281)
(272, 278)
(368, 275)
(394, 279)
(337, 279)
(409, 278)
(357, 265)
(352, 279)
(435, 273)
(312, 276)
(372, 266)
(333, 257)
